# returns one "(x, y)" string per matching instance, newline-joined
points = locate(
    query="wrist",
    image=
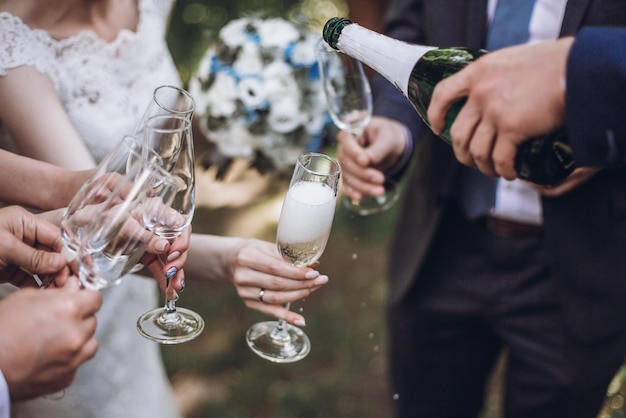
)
(399, 166)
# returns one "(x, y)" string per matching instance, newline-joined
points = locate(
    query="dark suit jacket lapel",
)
(477, 24)
(574, 13)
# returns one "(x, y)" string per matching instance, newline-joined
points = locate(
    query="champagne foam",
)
(307, 213)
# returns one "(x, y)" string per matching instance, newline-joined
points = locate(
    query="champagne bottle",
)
(416, 69)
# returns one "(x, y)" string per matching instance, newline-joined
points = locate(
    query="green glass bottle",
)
(416, 69)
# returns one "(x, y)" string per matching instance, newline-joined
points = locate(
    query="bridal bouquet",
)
(258, 93)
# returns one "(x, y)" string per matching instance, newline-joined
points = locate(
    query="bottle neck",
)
(389, 57)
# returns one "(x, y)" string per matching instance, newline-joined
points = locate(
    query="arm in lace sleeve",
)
(20, 45)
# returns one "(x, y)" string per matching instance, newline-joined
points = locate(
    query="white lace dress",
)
(104, 88)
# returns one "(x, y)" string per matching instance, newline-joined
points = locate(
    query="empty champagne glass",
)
(81, 217)
(170, 137)
(122, 164)
(117, 236)
(167, 100)
(98, 230)
(303, 231)
(349, 100)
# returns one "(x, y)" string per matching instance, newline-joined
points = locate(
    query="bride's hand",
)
(252, 265)
(257, 265)
(163, 258)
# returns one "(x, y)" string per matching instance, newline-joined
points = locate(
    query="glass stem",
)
(170, 301)
(170, 295)
(280, 332)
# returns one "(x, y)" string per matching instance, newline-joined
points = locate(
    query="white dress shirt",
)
(516, 200)
(5, 402)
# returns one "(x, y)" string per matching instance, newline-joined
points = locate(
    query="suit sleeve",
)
(403, 23)
(596, 97)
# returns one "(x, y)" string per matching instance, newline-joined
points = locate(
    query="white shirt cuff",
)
(5, 402)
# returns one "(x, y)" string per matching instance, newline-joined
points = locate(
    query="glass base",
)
(280, 346)
(175, 327)
(370, 205)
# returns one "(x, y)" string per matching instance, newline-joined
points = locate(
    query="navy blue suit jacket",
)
(585, 230)
(596, 97)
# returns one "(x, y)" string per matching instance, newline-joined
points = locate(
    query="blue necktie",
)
(510, 23)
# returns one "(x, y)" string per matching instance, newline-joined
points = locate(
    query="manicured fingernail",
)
(300, 322)
(173, 256)
(182, 285)
(321, 280)
(161, 245)
(171, 272)
(312, 274)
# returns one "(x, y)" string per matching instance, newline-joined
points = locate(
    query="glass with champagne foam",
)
(303, 231)
(305, 222)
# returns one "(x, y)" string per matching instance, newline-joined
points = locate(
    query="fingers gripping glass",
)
(118, 180)
(170, 136)
(349, 99)
(118, 236)
(303, 231)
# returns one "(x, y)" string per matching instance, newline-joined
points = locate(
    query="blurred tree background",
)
(346, 374)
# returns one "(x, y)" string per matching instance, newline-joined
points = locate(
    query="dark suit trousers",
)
(477, 294)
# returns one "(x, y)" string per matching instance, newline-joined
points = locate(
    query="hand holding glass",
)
(303, 231)
(349, 100)
(170, 137)
(117, 237)
(116, 183)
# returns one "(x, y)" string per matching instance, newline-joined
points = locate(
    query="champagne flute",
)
(121, 165)
(117, 237)
(107, 180)
(167, 100)
(170, 136)
(303, 231)
(349, 100)
(97, 230)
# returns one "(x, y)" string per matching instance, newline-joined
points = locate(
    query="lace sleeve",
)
(22, 46)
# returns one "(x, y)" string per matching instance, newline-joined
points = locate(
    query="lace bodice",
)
(94, 77)
(104, 88)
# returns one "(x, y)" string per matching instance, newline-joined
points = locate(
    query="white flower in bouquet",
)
(222, 98)
(258, 93)
(284, 115)
(277, 33)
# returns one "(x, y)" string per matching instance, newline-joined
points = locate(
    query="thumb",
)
(34, 260)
